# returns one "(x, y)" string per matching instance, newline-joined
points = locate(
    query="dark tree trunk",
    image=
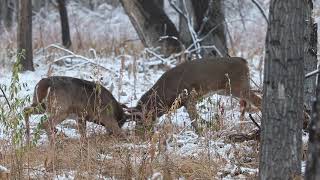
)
(6, 12)
(66, 40)
(160, 3)
(310, 63)
(151, 23)
(282, 111)
(25, 35)
(313, 162)
(1, 10)
(184, 31)
(210, 20)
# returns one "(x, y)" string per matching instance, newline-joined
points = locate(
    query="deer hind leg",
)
(255, 99)
(242, 91)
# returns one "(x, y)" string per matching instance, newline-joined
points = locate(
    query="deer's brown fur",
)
(203, 76)
(61, 97)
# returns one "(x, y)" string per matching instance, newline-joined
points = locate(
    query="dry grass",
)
(109, 157)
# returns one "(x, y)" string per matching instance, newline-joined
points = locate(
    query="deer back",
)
(204, 76)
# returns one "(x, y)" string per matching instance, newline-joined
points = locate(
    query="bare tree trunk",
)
(66, 40)
(282, 112)
(160, 3)
(310, 63)
(25, 35)
(6, 12)
(184, 31)
(313, 162)
(210, 21)
(151, 23)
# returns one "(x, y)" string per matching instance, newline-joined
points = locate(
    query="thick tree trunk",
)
(151, 23)
(38, 4)
(6, 12)
(210, 21)
(25, 35)
(160, 3)
(66, 40)
(282, 112)
(310, 63)
(313, 162)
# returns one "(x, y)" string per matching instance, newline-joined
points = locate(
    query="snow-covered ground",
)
(128, 75)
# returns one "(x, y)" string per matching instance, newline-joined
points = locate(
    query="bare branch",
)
(310, 74)
(262, 11)
(205, 17)
(178, 10)
(191, 29)
(4, 95)
(255, 123)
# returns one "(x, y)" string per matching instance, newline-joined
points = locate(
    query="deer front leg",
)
(193, 114)
(82, 125)
(49, 127)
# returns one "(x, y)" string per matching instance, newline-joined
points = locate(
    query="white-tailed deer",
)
(61, 97)
(199, 78)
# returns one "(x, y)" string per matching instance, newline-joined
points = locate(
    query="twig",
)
(178, 10)
(208, 34)
(264, 14)
(193, 33)
(187, 17)
(252, 119)
(155, 54)
(255, 83)
(220, 24)
(73, 55)
(312, 73)
(5, 98)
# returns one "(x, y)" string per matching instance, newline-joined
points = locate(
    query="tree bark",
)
(310, 63)
(25, 35)
(282, 112)
(151, 23)
(66, 40)
(313, 161)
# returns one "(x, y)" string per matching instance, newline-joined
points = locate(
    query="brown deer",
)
(198, 78)
(61, 97)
